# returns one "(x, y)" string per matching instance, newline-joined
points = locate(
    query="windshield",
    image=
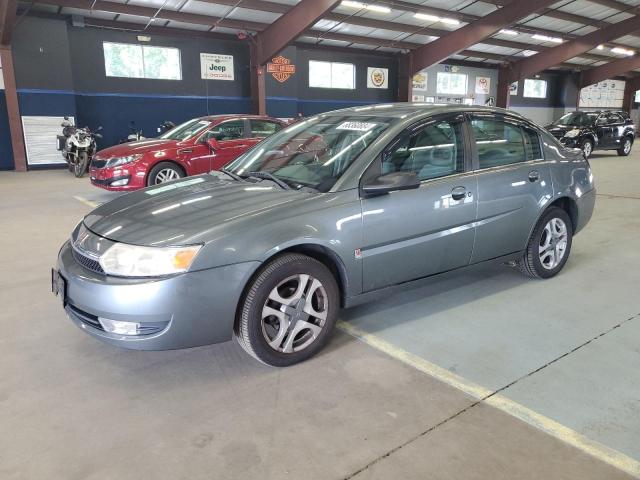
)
(577, 119)
(186, 130)
(312, 153)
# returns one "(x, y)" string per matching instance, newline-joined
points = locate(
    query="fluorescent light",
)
(546, 38)
(528, 53)
(600, 47)
(434, 18)
(622, 51)
(506, 31)
(366, 6)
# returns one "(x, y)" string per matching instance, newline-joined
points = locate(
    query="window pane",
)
(231, 130)
(498, 142)
(532, 144)
(342, 75)
(162, 63)
(261, 128)
(435, 151)
(451, 83)
(122, 60)
(535, 88)
(319, 74)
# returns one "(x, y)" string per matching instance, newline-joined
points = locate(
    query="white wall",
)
(470, 72)
(540, 115)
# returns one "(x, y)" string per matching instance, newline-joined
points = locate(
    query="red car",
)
(197, 146)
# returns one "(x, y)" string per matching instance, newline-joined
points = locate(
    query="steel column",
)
(13, 109)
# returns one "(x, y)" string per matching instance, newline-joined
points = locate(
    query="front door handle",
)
(458, 193)
(534, 176)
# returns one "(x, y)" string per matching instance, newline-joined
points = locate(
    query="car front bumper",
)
(182, 311)
(131, 174)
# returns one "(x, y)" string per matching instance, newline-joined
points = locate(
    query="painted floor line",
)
(86, 202)
(551, 427)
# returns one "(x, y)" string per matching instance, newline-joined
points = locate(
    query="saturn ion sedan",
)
(329, 212)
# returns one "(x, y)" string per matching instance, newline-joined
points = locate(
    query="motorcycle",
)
(134, 135)
(166, 126)
(78, 145)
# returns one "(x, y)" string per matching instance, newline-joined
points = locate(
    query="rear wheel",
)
(80, 167)
(625, 149)
(289, 311)
(164, 172)
(587, 148)
(549, 246)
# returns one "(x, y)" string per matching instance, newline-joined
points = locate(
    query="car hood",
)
(132, 148)
(187, 211)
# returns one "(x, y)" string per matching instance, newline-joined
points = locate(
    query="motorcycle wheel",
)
(80, 167)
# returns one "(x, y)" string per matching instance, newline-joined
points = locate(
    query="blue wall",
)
(6, 153)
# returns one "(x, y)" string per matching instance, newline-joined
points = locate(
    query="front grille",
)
(87, 262)
(86, 318)
(106, 181)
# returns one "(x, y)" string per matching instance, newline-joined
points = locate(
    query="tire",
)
(625, 149)
(587, 147)
(544, 264)
(288, 286)
(80, 167)
(164, 172)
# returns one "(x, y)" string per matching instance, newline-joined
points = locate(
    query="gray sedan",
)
(332, 211)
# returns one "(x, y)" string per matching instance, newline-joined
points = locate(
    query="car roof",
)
(231, 116)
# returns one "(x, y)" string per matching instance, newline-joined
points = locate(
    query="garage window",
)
(332, 75)
(535, 88)
(452, 83)
(141, 61)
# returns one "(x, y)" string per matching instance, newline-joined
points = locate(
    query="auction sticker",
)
(356, 126)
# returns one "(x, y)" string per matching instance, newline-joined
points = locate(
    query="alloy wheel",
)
(627, 146)
(587, 149)
(553, 243)
(166, 175)
(294, 313)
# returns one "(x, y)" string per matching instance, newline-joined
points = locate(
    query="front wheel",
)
(289, 311)
(80, 167)
(549, 246)
(587, 148)
(164, 172)
(625, 149)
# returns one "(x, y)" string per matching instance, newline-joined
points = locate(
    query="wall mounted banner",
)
(281, 68)
(214, 66)
(483, 85)
(420, 81)
(377, 77)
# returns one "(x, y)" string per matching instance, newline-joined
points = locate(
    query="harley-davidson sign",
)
(281, 68)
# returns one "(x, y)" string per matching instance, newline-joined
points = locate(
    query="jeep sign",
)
(214, 66)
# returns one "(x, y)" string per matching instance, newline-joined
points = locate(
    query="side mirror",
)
(98, 129)
(391, 182)
(213, 144)
(97, 135)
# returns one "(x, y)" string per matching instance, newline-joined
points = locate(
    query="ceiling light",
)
(366, 6)
(622, 51)
(433, 18)
(528, 53)
(546, 38)
(506, 31)
(600, 47)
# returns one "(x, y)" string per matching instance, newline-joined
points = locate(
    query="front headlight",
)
(136, 261)
(115, 161)
(572, 133)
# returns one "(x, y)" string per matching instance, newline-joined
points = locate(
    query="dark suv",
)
(595, 130)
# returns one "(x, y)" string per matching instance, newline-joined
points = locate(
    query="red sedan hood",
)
(132, 148)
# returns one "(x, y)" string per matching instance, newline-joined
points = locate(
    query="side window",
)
(231, 130)
(532, 144)
(263, 128)
(434, 151)
(498, 142)
(614, 119)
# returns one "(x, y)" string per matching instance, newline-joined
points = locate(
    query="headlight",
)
(572, 133)
(135, 261)
(115, 161)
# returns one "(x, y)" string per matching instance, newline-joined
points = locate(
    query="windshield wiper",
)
(235, 176)
(270, 176)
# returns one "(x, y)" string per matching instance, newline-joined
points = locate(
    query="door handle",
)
(534, 176)
(458, 193)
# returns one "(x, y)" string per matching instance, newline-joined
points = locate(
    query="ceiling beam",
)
(616, 5)
(609, 70)
(289, 26)
(472, 33)
(573, 48)
(8, 9)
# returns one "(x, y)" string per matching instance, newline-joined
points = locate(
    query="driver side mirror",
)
(213, 144)
(391, 182)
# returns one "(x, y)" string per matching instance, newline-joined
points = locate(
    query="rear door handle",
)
(458, 193)
(534, 176)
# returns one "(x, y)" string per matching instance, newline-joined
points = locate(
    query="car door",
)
(514, 182)
(617, 125)
(231, 136)
(604, 131)
(415, 233)
(260, 129)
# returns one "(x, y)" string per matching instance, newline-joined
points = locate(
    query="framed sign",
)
(281, 68)
(215, 66)
(417, 98)
(513, 88)
(377, 77)
(420, 81)
(483, 85)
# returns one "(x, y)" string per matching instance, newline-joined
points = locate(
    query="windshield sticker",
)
(356, 126)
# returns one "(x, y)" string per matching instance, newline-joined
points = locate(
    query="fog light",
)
(120, 183)
(119, 328)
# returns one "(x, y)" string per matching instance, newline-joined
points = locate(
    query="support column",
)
(258, 89)
(504, 82)
(13, 109)
(405, 79)
(631, 86)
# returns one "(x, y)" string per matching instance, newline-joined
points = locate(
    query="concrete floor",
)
(73, 408)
